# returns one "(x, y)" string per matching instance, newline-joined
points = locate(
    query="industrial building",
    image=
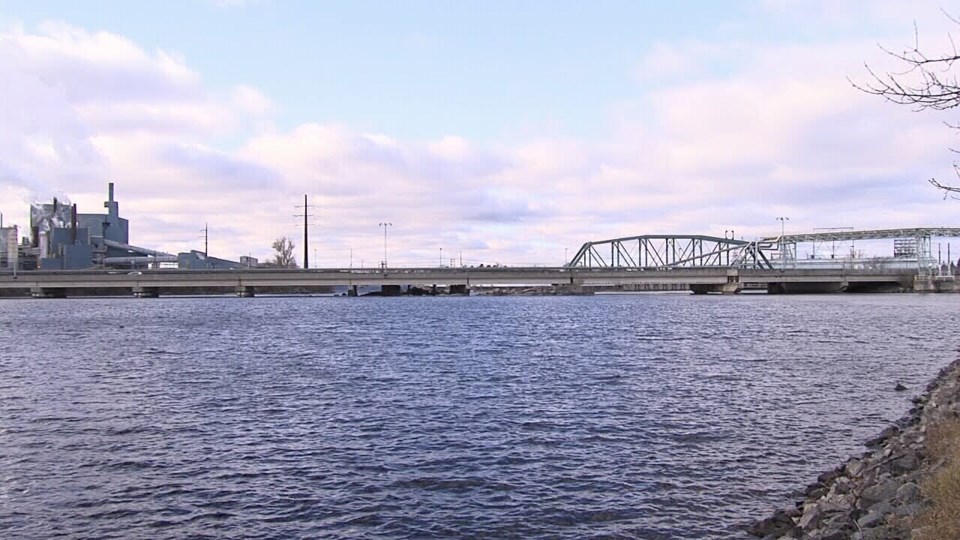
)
(62, 239)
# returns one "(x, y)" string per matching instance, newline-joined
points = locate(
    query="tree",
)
(284, 258)
(927, 82)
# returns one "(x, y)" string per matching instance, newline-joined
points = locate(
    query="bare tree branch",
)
(947, 189)
(927, 82)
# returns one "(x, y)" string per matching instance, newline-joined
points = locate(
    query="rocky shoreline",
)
(872, 496)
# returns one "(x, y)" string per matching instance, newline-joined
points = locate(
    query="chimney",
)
(110, 192)
(73, 224)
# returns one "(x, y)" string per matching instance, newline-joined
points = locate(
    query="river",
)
(632, 416)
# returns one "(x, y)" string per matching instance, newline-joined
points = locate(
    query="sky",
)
(494, 132)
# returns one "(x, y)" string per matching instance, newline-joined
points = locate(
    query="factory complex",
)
(60, 238)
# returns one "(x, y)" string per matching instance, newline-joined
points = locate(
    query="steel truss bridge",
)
(777, 252)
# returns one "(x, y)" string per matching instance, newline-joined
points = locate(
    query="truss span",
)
(659, 251)
(703, 251)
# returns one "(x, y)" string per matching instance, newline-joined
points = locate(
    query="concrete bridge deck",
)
(247, 282)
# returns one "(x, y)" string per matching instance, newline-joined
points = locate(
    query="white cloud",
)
(780, 132)
(252, 101)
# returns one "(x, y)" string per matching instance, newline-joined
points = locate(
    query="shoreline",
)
(873, 496)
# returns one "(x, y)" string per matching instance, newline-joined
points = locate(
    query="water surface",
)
(640, 416)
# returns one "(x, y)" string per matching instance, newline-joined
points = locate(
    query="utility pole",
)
(306, 240)
(206, 239)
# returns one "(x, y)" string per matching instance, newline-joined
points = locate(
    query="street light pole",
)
(306, 241)
(783, 254)
(441, 257)
(385, 224)
(732, 237)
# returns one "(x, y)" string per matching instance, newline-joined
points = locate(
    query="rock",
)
(907, 462)
(836, 504)
(780, 523)
(908, 493)
(880, 492)
(839, 533)
(854, 467)
(909, 509)
(882, 507)
(872, 519)
(899, 387)
(882, 436)
(829, 476)
(810, 519)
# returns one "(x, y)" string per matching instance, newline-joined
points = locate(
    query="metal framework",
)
(874, 234)
(699, 251)
(659, 251)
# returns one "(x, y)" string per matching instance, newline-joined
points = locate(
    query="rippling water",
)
(644, 416)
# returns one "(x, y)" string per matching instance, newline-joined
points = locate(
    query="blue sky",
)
(415, 69)
(514, 131)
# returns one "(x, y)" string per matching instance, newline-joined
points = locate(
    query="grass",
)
(941, 520)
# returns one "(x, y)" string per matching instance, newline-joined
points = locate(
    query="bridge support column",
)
(703, 288)
(390, 290)
(934, 284)
(700, 289)
(146, 292)
(459, 289)
(944, 284)
(733, 287)
(352, 291)
(41, 292)
(245, 291)
(776, 288)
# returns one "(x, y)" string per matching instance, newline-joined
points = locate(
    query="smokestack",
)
(73, 224)
(110, 192)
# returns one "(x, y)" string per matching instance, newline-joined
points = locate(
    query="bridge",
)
(700, 263)
(152, 283)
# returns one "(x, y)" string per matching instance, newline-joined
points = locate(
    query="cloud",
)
(777, 131)
(216, 170)
(252, 101)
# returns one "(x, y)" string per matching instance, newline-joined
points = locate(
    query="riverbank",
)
(894, 490)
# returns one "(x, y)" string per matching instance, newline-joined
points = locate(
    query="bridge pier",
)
(733, 287)
(47, 292)
(702, 288)
(245, 291)
(934, 284)
(390, 290)
(146, 292)
(776, 288)
(945, 284)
